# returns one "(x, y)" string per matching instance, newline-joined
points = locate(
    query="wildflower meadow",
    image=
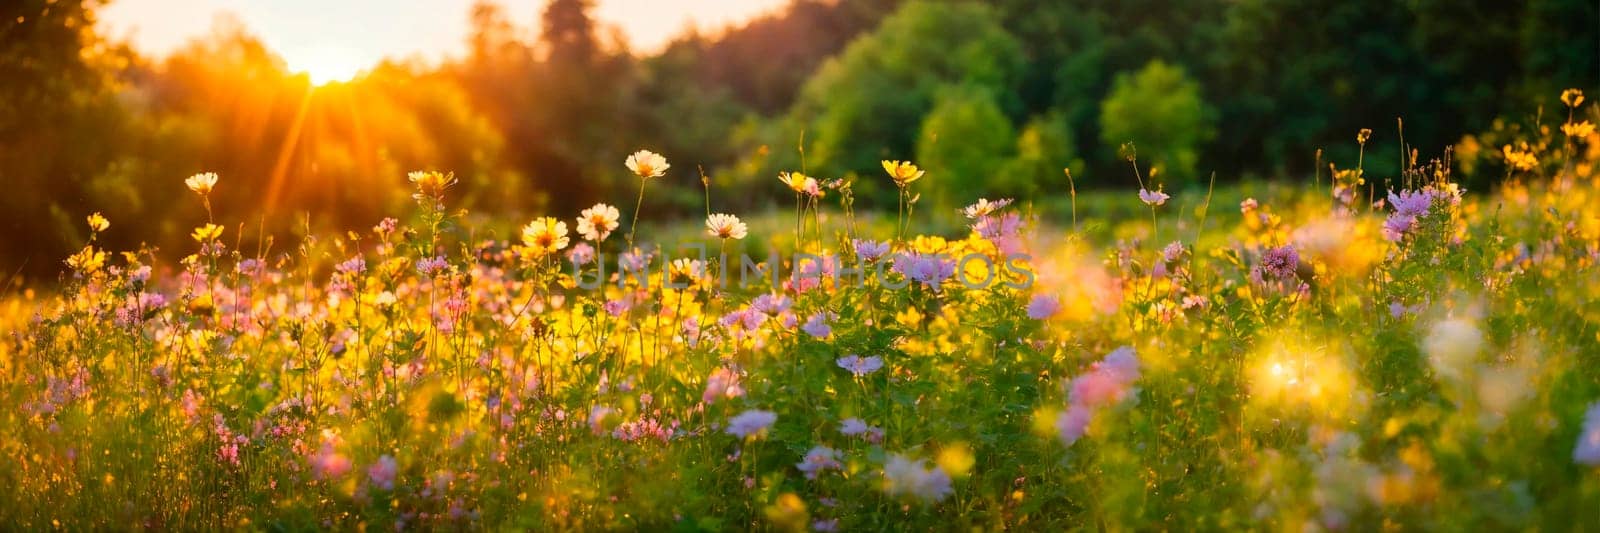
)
(1351, 349)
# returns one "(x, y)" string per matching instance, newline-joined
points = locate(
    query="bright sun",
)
(325, 64)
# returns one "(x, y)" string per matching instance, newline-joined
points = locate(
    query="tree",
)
(1159, 109)
(60, 125)
(963, 143)
(864, 105)
(1044, 149)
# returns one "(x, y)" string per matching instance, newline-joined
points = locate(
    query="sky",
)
(334, 38)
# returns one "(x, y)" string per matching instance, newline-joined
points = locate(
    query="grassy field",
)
(1363, 350)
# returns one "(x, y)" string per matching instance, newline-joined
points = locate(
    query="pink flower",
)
(1107, 382)
(723, 383)
(382, 473)
(328, 463)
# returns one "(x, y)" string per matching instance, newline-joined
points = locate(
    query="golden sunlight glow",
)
(1296, 372)
(326, 64)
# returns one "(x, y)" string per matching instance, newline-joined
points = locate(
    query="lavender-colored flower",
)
(818, 459)
(771, 304)
(1411, 203)
(825, 526)
(860, 366)
(871, 250)
(817, 326)
(615, 307)
(852, 427)
(1588, 450)
(928, 269)
(1043, 306)
(1280, 262)
(1152, 198)
(1397, 226)
(750, 422)
(1073, 423)
(354, 265)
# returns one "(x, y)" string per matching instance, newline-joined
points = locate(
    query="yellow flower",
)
(1363, 135)
(207, 233)
(1572, 97)
(724, 226)
(87, 260)
(1578, 129)
(647, 164)
(902, 172)
(597, 223)
(795, 180)
(545, 235)
(1519, 159)
(430, 184)
(98, 223)
(202, 183)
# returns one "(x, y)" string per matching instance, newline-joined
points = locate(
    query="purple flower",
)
(871, 250)
(615, 307)
(1072, 423)
(382, 473)
(750, 422)
(818, 459)
(1280, 262)
(1408, 207)
(1152, 198)
(771, 304)
(354, 265)
(851, 427)
(817, 326)
(1043, 306)
(432, 266)
(1588, 450)
(1396, 226)
(860, 366)
(927, 269)
(1411, 203)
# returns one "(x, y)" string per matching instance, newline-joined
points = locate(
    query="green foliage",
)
(965, 140)
(1161, 111)
(854, 111)
(1045, 150)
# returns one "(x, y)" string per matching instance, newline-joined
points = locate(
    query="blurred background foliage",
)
(993, 98)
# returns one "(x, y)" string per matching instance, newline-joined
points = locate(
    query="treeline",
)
(992, 97)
